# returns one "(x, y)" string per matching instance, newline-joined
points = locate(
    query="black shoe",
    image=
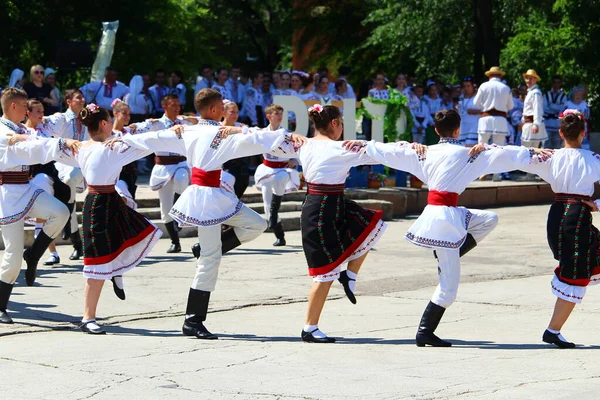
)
(118, 291)
(345, 280)
(77, 246)
(468, 245)
(5, 318)
(198, 330)
(175, 248)
(52, 260)
(429, 323)
(309, 338)
(279, 242)
(32, 256)
(93, 331)
(553, 338)
(76, 255)
(66, 232)
(196, 250)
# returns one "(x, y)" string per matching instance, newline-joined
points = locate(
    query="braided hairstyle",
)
(321, 120)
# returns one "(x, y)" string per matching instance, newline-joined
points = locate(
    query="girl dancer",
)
(572, 173)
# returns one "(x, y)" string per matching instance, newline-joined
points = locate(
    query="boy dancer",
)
(450, 230)
(275, 177)
(204, 203)
(19, 199)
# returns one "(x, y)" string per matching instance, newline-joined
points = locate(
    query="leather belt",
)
(14, 178)
(494, 113)
(168, 160)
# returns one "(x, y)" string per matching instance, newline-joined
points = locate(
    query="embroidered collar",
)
(450, 141)
(18, 128)
(208, 122)
(70, 114)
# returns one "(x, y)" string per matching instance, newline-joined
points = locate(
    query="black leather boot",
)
(229, 241)
(429, 323)
(468, 245)
(279, 234)
(197, 306)
(66, 233)
(33, 254)
(5, 291)
(175, 245)
(275, 206)
(176, 197)
(77, 246)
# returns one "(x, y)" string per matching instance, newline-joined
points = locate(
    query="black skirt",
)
(573, 241)
(333, 228)
(115, 237)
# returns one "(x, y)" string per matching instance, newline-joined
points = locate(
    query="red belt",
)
(435, 198)
(275, 164)
(323, 189)
(101, 189)
(168, 160)
(570, 198)
(14, 178)
(201, 177)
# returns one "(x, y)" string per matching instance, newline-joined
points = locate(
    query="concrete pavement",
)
(258, 308)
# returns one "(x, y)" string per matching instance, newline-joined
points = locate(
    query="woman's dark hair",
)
(339, 84)
(178, 74)
(92, 120)
(321, 77)
(321, 120)
(32, 103)
(255, 74)
(571, 126)
(446, 122)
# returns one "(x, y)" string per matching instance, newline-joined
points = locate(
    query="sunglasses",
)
(38, 72)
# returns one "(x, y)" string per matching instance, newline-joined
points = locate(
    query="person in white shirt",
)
(421, 115)
(205, 80)
(494, 98)
(252, 109)
(555, 101)
(17, 79)
(105, 91)
(401, 86)
(139, 104)
(177, 87)
(380, 90)
(343, 73)
(158, 91)
(578, 103)
(534, 130)
(469, 114)
(234, 86)
(220, 84)
(433, 100)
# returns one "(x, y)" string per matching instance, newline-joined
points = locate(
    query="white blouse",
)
(64, 125)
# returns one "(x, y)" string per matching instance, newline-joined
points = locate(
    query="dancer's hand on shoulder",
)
(14, 138)
(111, 143)
(225, 131)
(131, 127)
(419, 148)
(178, 129)
(590, 204)
(292, 164)
(188, 118)
(478, 148)
(73, 145)
(354, 145)
(298, 140)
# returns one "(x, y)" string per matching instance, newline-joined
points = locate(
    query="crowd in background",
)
(254, 91)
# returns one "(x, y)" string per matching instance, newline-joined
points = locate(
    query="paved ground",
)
(258, 309)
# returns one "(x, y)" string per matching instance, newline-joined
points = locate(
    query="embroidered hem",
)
(11, 219)
(187, 220)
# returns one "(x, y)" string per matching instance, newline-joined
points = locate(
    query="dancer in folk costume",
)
(68, 125)
(275, 177)
(115, 237)
(19, 199)
(206, 204)
(450, 230)
(494, 98)
(534, 129)
(171, 174)
(572, 173)
(126, 185)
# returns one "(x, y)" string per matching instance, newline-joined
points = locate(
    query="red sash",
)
(449, 199)
(275, 164)
(201, 177)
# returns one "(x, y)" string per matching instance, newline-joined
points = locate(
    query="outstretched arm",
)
(164, 140)
(400, 155)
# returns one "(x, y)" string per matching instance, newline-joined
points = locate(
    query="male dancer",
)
(19, 199)
(205, 203)
(451, 230)
(170, 175)
(275, 177)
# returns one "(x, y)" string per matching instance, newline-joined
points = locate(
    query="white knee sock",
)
(352, 282)
(119, 281)
(317, 333)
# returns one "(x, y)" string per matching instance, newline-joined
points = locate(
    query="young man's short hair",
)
(168, 97)
(446, 122)
(11, 94)
(205, 98)
(273, 108)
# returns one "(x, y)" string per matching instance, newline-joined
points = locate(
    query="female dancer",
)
(126, 186)
(115, 237)
(572, 173)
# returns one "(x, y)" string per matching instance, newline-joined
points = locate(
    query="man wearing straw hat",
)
(534, 130)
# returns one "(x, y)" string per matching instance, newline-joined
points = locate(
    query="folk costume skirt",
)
(574, 243)
(115, 237)
(336, 230)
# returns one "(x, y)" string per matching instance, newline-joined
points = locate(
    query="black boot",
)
(229, 241)
(175, 246)
(468, 245)
(5, 291)
(176, 197)
(77, 246)
(275, 205)
(33, 254)
(66, 233)
(198, 306)
(429, 322)
(279, 234)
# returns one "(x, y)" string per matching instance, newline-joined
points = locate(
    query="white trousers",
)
(46, 183)
(273, 186)
(496, 139)
(536, 144)
(45, 207)
(177, 184)
(248, 225)
(481, 224)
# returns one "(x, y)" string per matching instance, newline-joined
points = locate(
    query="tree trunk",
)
(484, 25)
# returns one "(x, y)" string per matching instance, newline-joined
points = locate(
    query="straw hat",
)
(532, 73)
(495, 71)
